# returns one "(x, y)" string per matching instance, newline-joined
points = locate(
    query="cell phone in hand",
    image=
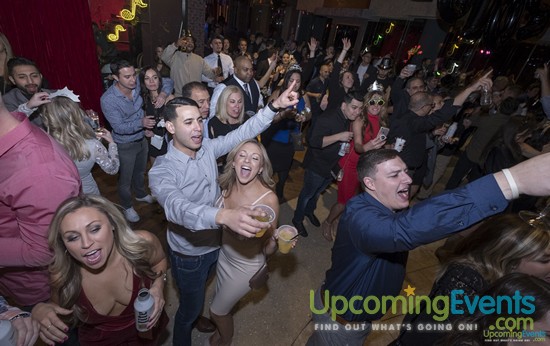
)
(383, 133)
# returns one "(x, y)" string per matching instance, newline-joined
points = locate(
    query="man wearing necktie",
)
(220, 60)
(243, 78)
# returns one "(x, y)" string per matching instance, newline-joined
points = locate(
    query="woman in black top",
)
(150, 78)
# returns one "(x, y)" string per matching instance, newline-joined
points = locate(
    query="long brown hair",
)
(383, 115)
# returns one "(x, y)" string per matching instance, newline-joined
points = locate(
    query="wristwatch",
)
(273, 108)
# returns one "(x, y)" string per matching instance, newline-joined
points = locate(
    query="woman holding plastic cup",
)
(66, 122)
(246, 180)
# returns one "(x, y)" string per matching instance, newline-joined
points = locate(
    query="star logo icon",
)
(409, 290)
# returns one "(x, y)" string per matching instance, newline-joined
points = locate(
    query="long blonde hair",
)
(9, 55)
(228, 178)
(64, 121)
(497, 247)
(221, 106)
(65, 270)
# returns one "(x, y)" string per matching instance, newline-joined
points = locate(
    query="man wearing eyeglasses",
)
(415, 124)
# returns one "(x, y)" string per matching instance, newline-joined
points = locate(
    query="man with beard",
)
(381, 76)
(28, 95)
(184, 181)
(186, 66)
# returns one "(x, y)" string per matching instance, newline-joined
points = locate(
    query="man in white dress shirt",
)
(220, 60)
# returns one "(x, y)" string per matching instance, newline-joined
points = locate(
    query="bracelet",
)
(511, 182)
(21, 315)
(272, 107)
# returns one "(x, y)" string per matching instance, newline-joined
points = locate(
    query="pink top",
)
(36, 175)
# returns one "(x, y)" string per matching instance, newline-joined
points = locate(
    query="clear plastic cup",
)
(285, 234)
(270, 216)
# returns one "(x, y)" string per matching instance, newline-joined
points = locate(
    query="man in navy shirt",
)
(377, 230)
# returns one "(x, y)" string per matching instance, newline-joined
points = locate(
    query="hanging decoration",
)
(415, 50)
(127, 15)
(452, 50)
(377, 40)
(114, 37)
(390, 28)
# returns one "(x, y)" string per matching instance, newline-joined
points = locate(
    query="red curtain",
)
(58, 36)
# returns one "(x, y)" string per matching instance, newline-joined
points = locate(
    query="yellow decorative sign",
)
(114, 37)
(130, 15)
(452, 50)
(390, 28)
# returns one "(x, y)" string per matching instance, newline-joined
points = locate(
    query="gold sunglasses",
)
(373, 102)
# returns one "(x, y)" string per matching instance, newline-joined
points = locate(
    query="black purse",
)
(259, 279)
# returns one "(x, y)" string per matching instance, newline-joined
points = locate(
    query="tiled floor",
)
(280, 314)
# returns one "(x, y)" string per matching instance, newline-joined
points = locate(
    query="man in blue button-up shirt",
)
(122, 107)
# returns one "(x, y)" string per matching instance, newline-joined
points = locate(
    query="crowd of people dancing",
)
(216, 137)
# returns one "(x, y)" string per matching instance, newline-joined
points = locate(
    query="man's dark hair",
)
(353, 95)
(217, 37)
(366, 166)
(169, 112)
(509, 106)
(412, 79)
(19, 61)
(117, 65)
(271, 52)
(188, 88)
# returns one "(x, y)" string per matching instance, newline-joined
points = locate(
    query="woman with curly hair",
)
(502, 245)
(99, 266)
(66, 122)
(246, 180)
(365, 137)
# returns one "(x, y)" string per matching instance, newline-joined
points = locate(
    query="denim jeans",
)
(133, 161)
(190, 275)
(314, 184)
(327, 332)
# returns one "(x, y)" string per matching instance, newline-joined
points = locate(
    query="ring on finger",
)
(48, 328)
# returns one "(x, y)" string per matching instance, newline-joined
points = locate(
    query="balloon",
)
(531, 5)
(537, 24)
(452, 10)
(503, 23)
(478, 17)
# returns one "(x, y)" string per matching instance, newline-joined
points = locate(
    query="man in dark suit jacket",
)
(248, 85)
(263, 65)
(364, 69)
